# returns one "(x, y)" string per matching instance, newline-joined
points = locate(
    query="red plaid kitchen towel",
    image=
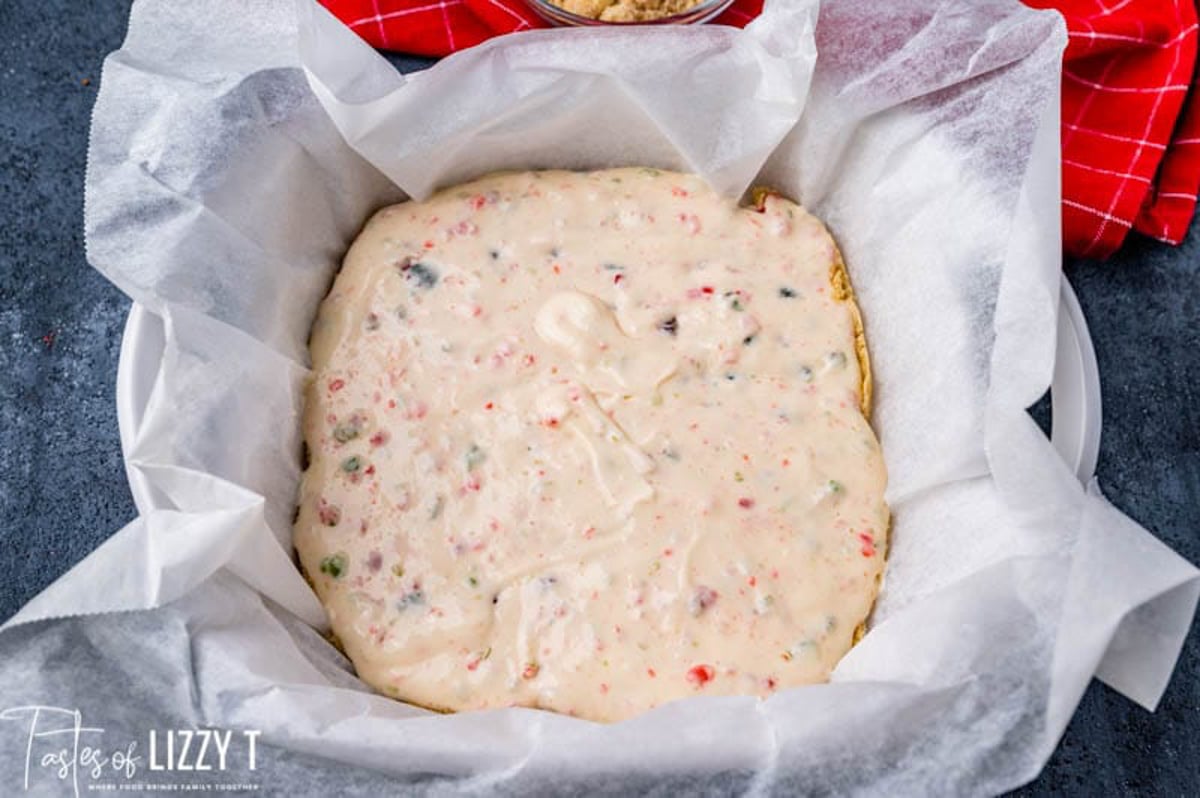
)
(1130, 124)
(1131, 129)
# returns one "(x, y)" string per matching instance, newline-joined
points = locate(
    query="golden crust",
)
(839, 279)
(843, 291)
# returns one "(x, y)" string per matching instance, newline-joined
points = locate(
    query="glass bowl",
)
(701, 12)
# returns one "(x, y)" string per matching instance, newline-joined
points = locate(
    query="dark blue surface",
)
(63, 488)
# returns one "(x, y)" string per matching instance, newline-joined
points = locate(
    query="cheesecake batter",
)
(591, 442)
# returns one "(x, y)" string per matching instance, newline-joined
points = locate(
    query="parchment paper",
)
(230, 165)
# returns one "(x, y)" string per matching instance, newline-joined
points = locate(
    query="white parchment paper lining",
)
(231, 164)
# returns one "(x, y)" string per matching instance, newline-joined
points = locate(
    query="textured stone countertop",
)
(62, 483)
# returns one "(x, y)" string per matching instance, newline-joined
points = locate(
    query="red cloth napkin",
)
(1130, 124)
